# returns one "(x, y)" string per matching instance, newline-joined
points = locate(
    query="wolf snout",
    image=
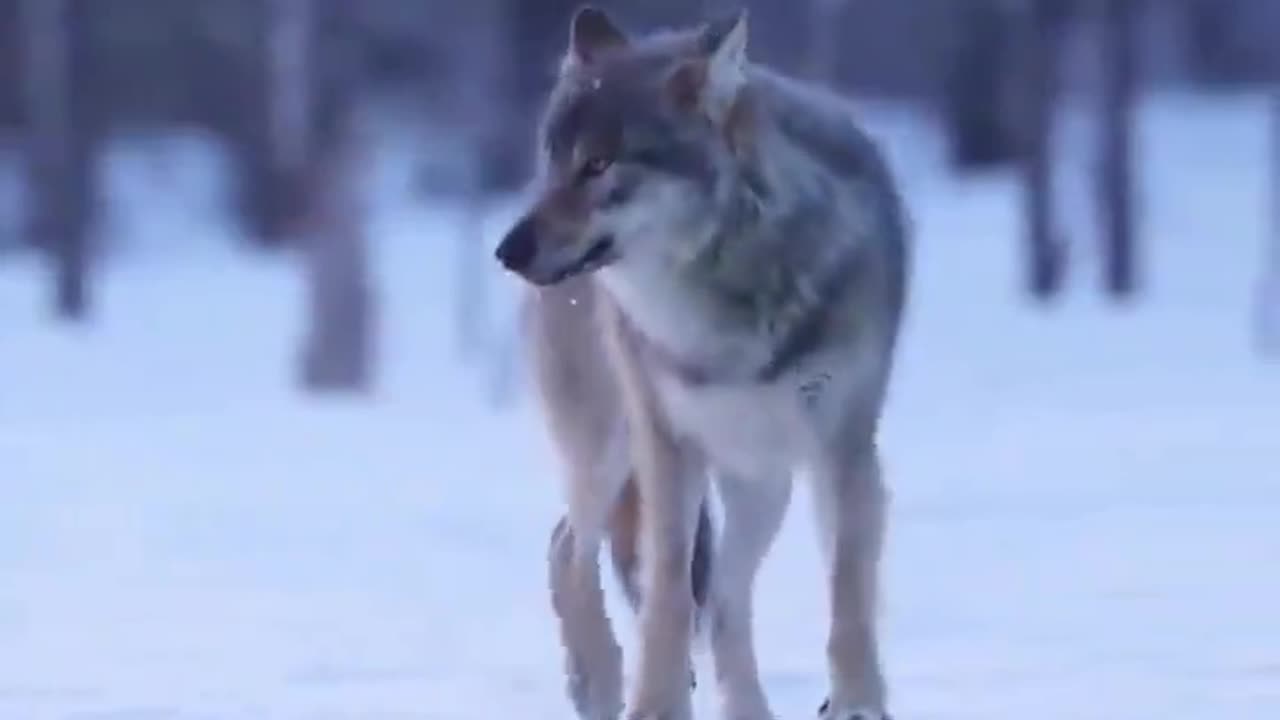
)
(520, 246)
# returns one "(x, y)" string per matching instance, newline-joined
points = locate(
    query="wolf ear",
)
(713, 80)
(592, 32)
(725, 39)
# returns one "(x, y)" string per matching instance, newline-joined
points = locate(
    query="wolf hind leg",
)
(625, 554)
(851, 505)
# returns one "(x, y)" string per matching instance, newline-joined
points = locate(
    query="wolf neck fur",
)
(753, 280)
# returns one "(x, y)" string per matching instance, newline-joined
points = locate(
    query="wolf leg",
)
(593, 662)
(593, 659)
(672, 489)
(624, 530)
(624, 534)
(851, 501)
(753, 513)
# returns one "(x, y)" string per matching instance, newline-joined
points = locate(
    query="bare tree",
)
(473, 90)
(1226, 41)
(290, 33)
(824, 36)
(471, 308)
(10, 83)
(338, 348)
(1267, 316)
(976, 69)
(265, 100)
(1046, 252)
(58, 147)
(1116, 177)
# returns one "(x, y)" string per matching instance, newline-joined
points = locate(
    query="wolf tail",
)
(624, 549)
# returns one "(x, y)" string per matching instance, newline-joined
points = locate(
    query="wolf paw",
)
(826, 713)
(752, 715)
(682, 710)
(675, 715)
(591, 700)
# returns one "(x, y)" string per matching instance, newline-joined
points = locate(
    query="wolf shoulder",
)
(819, 121)
(825, 127)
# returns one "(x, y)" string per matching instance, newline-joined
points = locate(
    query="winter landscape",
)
(1085, 521)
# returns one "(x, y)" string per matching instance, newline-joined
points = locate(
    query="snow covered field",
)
(1086, 521)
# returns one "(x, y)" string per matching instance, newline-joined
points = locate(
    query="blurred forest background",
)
(286, 87)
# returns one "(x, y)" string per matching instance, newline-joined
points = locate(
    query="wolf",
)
(716, 259)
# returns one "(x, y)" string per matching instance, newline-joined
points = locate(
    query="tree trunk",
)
(273, 123)
(290, 34)
(10, 81)
(824, 36)
(338, 349)
(533, 34)
(1046, 252)
(474, 93)
(1268, 308)
(1119, 35)
(58, 147)
(1218, 59)
(975, 88)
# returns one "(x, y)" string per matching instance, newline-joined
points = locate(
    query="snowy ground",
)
(1084, 526)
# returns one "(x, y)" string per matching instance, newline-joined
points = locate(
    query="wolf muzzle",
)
(520, 246)
(521, 252)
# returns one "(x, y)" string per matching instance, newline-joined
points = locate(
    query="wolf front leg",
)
(672, 485)
(753, 513)
(671, 482)
(593, 659)
(851, 502)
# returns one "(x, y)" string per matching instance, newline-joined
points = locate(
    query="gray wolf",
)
(717, 260)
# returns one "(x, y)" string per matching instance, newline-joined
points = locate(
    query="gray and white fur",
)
(718, 265)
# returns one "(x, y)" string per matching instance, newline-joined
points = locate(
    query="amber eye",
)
(593, 167)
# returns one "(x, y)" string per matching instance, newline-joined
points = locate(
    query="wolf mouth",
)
(601, 253)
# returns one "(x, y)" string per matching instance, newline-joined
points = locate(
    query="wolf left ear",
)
(591, 33)
(715, 77)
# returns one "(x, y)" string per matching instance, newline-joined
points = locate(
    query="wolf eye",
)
(593, 167)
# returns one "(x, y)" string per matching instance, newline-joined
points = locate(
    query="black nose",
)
(518, 248)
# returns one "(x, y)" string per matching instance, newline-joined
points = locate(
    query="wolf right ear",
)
(591, 33)
(713, 79)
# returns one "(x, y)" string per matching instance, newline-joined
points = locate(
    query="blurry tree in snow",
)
(976, 69)
(532, 36)
(10, 93)
(473, 94)
(339, 345)
(1043, 21)
(824, 39)
(10, 80)
(288, 104)
(1116, 178)
(1267, 313)
(58, 143)
(1041, 49)
(320, 142)
(1229, 43)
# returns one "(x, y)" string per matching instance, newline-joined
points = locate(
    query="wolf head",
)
(638, 151)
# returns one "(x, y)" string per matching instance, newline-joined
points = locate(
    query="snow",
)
(1085, 494)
